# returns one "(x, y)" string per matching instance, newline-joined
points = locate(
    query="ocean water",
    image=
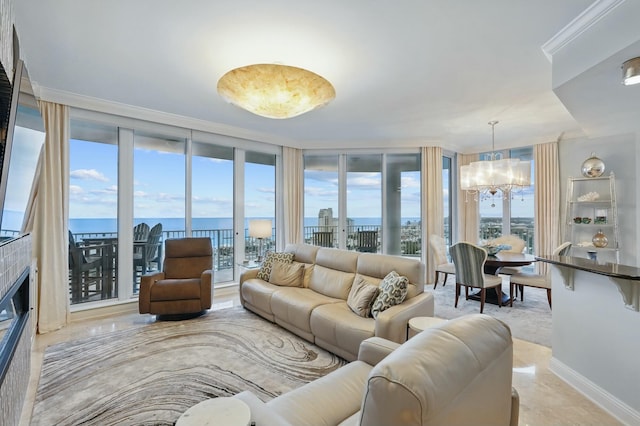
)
(80, 226)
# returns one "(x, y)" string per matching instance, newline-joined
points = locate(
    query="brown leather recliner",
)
(184, 286)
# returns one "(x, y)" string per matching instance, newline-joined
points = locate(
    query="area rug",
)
(150, 375)
(529, 319)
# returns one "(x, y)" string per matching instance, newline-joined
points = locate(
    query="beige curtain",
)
(469, 219)
(433, 204)
(293, 172)
(546, 200)
(51, 241)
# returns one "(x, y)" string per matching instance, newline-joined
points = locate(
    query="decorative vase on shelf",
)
(600, 239)
(592, 166)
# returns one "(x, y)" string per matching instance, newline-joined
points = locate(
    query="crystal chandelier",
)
(275, 91)
(483, 179)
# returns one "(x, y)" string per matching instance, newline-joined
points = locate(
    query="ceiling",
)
(423, 73)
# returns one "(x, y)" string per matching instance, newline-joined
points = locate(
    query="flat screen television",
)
(21, 139)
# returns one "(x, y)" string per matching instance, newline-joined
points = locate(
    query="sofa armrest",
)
(206, 289)
(244, 276)
(515, 407)
(146, 281)
(391, 324)
(375, 349)
(261, 414)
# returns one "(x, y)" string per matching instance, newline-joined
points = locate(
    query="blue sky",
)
(159, 184)
(159, 187)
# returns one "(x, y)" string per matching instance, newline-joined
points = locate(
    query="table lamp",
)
(260, 229)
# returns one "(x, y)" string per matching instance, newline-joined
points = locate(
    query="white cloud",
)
(75, 190)
(88, 174)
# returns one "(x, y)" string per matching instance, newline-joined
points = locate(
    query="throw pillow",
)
(393, 291)
(361, 297)
(287, 274)
(270, 258)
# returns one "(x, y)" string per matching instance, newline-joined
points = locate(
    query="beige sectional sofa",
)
(317, 309)
(458, 372)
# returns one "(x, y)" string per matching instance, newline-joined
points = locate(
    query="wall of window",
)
(125, 173)
(511, 214)
(93, 212)
(259, 201)
(364, 201)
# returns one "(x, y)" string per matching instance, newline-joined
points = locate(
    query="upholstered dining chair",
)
(469, 261)
(442, 264)
(522, 279)
(517, 246)
(184, 286)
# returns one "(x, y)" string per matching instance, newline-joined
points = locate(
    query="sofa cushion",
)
(379, 265)
(287, 275)
(258, 293)
(331, 282)
(265, 268)
(393, 291)
(294, 305)
(306, 277)
(335, 324)
(362, 296)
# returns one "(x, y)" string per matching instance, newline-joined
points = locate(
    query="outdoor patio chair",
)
(148, 251)
(367, 241)
(86, 269)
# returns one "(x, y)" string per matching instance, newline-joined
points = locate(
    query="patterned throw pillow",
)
(361, 297)
(393, 291)
(265, 268)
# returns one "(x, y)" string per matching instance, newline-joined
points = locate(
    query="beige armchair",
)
(185, 284)
(410, 384)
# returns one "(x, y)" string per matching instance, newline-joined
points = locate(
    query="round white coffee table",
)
(418, 324)
(221, 411)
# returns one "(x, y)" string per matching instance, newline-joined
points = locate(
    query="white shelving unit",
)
(596, 213)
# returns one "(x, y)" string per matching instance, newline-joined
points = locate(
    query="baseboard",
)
(599, 396)
(97, 312)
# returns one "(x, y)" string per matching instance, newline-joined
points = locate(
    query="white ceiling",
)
(408, 73)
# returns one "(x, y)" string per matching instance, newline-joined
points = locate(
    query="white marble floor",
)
(544, 398)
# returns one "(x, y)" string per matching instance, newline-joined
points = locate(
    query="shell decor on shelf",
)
(590, 196)
(592, 166)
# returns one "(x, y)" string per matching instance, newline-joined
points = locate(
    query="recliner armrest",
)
(206, 288)
(146, 281)
(375, 349)
(515, 407)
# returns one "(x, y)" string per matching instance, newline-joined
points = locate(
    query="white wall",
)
(620, 154)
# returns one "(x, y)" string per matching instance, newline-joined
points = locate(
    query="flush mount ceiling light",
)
(486, 178)
(631, 72)
(275, 91)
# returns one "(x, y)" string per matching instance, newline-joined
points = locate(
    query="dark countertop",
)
(613, 270)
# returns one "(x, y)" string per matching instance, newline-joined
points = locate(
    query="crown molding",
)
(578, 26)
(129, 111)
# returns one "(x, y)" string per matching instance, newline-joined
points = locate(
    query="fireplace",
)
(16, 328)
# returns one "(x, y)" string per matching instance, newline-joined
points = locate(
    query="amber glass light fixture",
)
(275, 91)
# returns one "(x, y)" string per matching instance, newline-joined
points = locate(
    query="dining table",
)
(494, 264)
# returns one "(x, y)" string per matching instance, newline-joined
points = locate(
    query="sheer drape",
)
(469, 219)
(30, 210)
(433, 204)
(293, 173)
(546, 199)
(51, 245)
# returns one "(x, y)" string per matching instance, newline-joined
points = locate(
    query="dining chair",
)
(442, 264)
(141, 232)
(469, 260)
(517, 246)
(86, 268)
(522, 279)
(149, 251)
